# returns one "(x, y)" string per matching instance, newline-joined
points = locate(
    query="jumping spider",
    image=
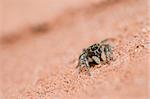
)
(95, 54)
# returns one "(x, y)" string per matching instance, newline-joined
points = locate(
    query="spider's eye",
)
(94, 47)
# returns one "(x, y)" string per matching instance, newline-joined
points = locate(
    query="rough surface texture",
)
(38, 55)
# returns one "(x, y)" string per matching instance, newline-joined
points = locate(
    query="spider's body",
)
(95, 54)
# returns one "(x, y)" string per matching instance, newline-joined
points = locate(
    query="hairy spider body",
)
(95, 54)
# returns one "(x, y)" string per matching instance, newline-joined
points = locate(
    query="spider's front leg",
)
(83, 60)
(79, 66)
(86, 63)
(88, 67)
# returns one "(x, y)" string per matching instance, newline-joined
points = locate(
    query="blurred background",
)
(40, 38)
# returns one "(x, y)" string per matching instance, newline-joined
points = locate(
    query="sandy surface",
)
(40, 42)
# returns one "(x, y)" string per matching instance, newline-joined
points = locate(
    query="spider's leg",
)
(88, 67)
(108, 53)
(103, 57)
(104, 41)
(111, 53)
(79, 66)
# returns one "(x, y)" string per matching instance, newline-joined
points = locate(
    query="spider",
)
(95, 54)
